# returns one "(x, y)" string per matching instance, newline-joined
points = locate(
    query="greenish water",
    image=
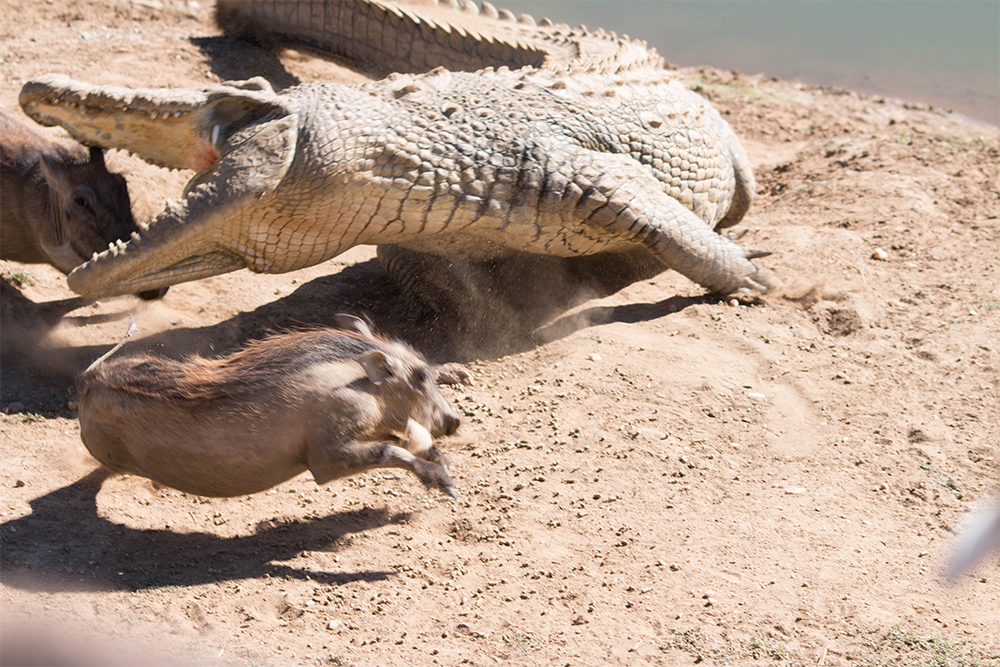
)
(941, 52)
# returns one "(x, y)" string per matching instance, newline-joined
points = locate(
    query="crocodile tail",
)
(376, 38)
(379, 37)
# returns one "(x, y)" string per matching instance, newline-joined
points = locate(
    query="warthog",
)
(334, 402)
(60, 204)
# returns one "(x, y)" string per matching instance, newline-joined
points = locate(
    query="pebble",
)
(880, 254)
(795, 490)
(594, 357)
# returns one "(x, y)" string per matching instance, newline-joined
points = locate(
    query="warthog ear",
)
(57, 176)
(355, 324)
(97, 156)
(379, 366)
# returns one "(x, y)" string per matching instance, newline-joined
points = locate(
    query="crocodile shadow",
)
(362, 289)
(233, 59)
(237, 58)
(365, 289)
(65, 545)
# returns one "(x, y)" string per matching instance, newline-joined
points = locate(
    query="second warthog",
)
(59, 204)
(329, 401)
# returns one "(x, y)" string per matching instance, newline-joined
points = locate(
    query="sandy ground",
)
(802, 462)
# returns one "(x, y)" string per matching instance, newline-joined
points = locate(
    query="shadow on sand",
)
(64, 545)
(234, 59)
(361, 289)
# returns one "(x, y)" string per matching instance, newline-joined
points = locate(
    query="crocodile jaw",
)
(183, 129)
(180, 129)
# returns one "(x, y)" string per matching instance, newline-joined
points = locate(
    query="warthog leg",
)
(414, 451)
(433, 473)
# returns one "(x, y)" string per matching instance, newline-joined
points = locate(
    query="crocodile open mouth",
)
(176, 133)
(173, 128)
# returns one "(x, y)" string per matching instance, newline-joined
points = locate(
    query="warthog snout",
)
(334, 402)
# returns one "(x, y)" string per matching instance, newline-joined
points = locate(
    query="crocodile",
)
(490, 141)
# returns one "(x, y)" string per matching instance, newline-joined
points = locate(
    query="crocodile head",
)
(214, 130)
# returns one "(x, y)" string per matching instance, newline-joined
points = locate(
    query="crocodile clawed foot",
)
(750, 253)
(762, 282)
(754, 253)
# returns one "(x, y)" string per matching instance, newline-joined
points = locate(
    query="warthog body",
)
(59, 204)
(334, 402)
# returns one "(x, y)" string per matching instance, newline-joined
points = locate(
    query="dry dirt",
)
(805, 460)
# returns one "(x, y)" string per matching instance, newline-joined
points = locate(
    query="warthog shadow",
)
(64, 545)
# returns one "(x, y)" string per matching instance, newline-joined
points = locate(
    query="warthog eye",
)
(83, 203)
(421, 376)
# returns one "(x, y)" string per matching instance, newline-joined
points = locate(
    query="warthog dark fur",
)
(59, 204)
(335, 402)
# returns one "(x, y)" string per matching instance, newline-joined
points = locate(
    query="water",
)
(941, 52)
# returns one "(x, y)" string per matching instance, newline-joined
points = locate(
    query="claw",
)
(451, 491)
(764, 282)
(754, 253)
